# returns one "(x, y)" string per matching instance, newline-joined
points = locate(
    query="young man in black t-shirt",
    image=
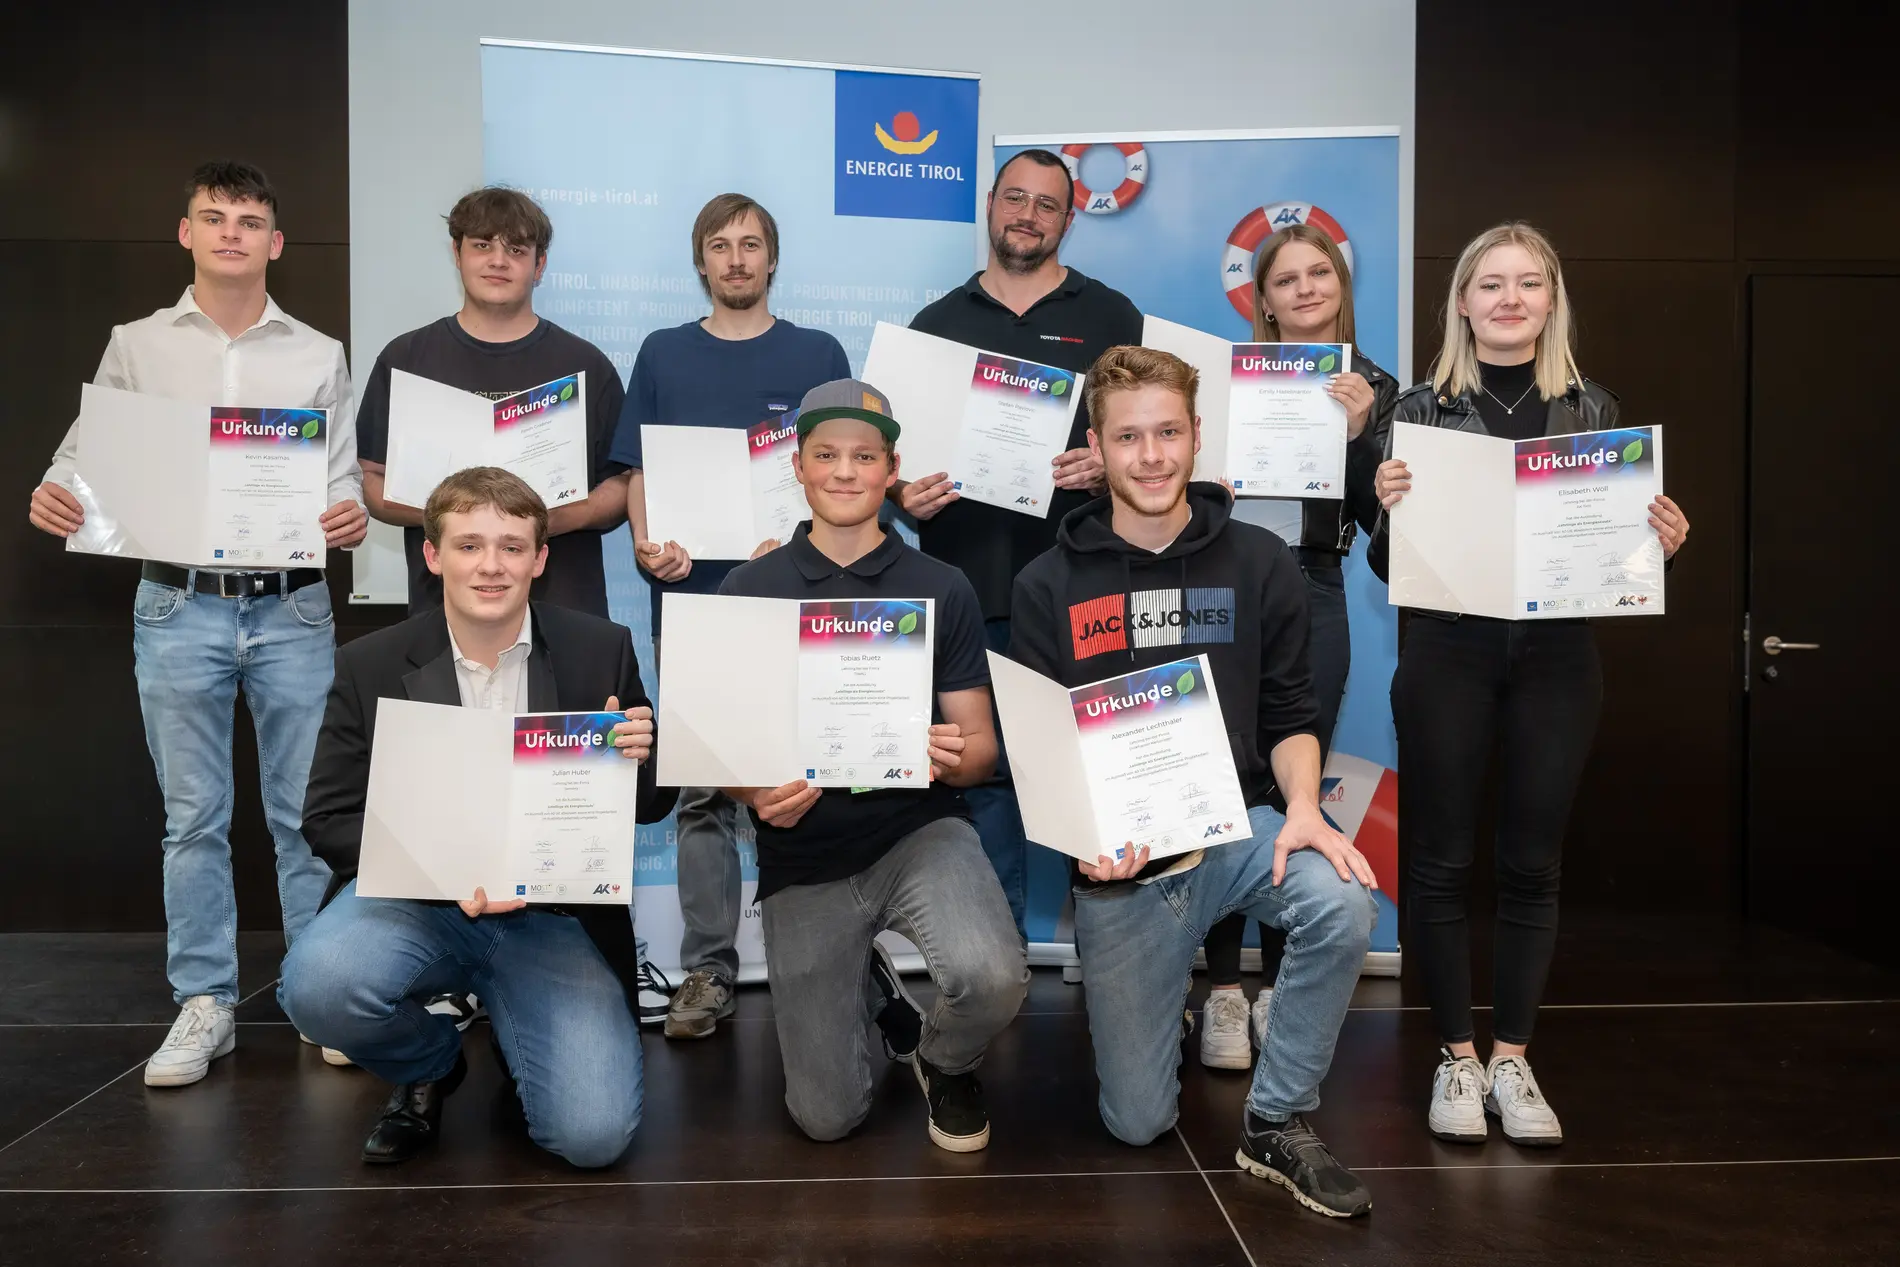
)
(838, 866)
(496, 346)
(1024, 303)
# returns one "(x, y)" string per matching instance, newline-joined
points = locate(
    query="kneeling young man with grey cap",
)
(838, 866)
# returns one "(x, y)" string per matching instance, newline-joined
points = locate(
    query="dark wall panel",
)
(107, 107)
(1610, 125)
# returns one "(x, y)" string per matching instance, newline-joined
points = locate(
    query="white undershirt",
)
(504, 687)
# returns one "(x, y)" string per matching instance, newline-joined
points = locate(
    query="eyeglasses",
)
(1016, 199)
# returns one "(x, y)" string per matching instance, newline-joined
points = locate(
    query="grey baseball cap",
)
(846, 398)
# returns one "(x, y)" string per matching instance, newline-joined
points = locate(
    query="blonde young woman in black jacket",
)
(1468, 684)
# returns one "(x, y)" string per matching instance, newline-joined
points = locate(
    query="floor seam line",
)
(1218, 1203)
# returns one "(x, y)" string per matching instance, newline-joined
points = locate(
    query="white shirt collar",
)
(525, 639)
(187, 306)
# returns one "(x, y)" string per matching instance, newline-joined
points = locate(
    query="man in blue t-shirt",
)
(738, 367)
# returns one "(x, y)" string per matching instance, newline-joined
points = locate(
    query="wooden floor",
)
(1730, 1096)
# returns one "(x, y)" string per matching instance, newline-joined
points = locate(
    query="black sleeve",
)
(1033, 635)
(1364, 454)
(338, 785)
(653, 802)
(372, 414)
(603, 419)
(962, 664)
(1287, 704)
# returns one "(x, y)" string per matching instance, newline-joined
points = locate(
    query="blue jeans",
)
(1137, 946)
(191, 653)
(359, 978)
(993, 808)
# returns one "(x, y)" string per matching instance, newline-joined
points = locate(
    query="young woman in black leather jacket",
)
(1467, 685)
(1303, 294)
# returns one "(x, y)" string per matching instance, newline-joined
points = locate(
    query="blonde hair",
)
(1126, 368)
(1456, 368)
(1265, 328)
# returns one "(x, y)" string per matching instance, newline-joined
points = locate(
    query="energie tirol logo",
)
(904, 146)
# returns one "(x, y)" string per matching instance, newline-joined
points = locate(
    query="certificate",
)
(1547, 528)
(1285, 436)
(760, 692)
(200, 485)
(995, 423)
(436, 430)
(720, 491)
(537, 806)
(1137, 760)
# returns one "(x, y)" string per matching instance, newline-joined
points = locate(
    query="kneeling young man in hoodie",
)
(1138, 578)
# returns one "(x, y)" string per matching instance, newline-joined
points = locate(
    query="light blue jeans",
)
(191, 653)
(361, 975)
(1137, 945)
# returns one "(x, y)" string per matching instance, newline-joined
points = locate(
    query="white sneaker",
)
(1224, 1042)
(1458, 1090)
(1523, 1111)
(331, 1056)
(1260, 1005)
(204, 1030)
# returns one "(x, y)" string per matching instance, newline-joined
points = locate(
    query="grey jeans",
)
(936, 887)
(707, 828)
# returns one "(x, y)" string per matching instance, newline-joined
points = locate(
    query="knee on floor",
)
(1139, 1126)
(588, 1136)
(829, 1122)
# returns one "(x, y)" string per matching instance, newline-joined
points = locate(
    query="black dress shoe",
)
(412, 1119)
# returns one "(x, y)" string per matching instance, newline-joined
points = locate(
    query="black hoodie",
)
(1097, 607)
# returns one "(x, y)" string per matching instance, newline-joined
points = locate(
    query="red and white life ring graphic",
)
(1236, 262)
(1134, 178)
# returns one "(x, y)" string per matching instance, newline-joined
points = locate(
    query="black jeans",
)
(1329, 655)
(1533, 690)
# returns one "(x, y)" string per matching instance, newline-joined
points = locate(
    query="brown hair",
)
(719, 213)
(497, 213)
(1265, 329)
(480, 486)
(1125, 368)
(229, 181)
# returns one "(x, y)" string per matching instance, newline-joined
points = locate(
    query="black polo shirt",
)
(1067, 328)
(844, 831)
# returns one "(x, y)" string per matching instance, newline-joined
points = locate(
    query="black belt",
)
(1313, 557)
(233, 584)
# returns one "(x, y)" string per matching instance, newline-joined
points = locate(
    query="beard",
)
(1142, 499)
(740, 295)
(1022, 259)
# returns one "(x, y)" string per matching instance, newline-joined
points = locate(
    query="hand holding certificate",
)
(754, 494)
(436, 430)
(766, 692)
(536, 806)
(995, 423)
(1551, 527)
(1134, 762)
(200, 485)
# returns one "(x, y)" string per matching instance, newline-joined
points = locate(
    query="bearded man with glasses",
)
(1027, 304)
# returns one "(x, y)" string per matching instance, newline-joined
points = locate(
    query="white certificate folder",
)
(1137, 760)
(994, 423)
(532, 806)
(436, 430)
(1550, 528)
(761, 692)
(221, 486)
(722, 491)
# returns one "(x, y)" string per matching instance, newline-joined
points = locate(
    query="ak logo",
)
(1216, 829)
(1025, 501)
(905, 134)
(303, 554)
(895, 773)
(600, 889)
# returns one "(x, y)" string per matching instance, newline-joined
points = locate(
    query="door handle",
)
(1775, 646)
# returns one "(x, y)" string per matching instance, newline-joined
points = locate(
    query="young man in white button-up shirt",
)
(201, 634)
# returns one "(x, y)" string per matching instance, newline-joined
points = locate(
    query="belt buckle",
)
(251, 584)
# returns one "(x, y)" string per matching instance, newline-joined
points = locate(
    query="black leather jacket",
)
(1331, 525)
(1584, 406)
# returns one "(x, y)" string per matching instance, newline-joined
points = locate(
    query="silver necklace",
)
(1512, 407)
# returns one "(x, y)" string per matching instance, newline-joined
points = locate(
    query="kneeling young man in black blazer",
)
(559, 984)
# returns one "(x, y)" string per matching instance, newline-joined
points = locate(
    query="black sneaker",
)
(463, 1009)
(1292, 1156)
(958, 1121)
(656, 993)
(902, 1021)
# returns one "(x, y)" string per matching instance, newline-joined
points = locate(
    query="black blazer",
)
(576, 662)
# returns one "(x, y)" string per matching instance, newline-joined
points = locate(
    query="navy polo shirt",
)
(844, 831)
